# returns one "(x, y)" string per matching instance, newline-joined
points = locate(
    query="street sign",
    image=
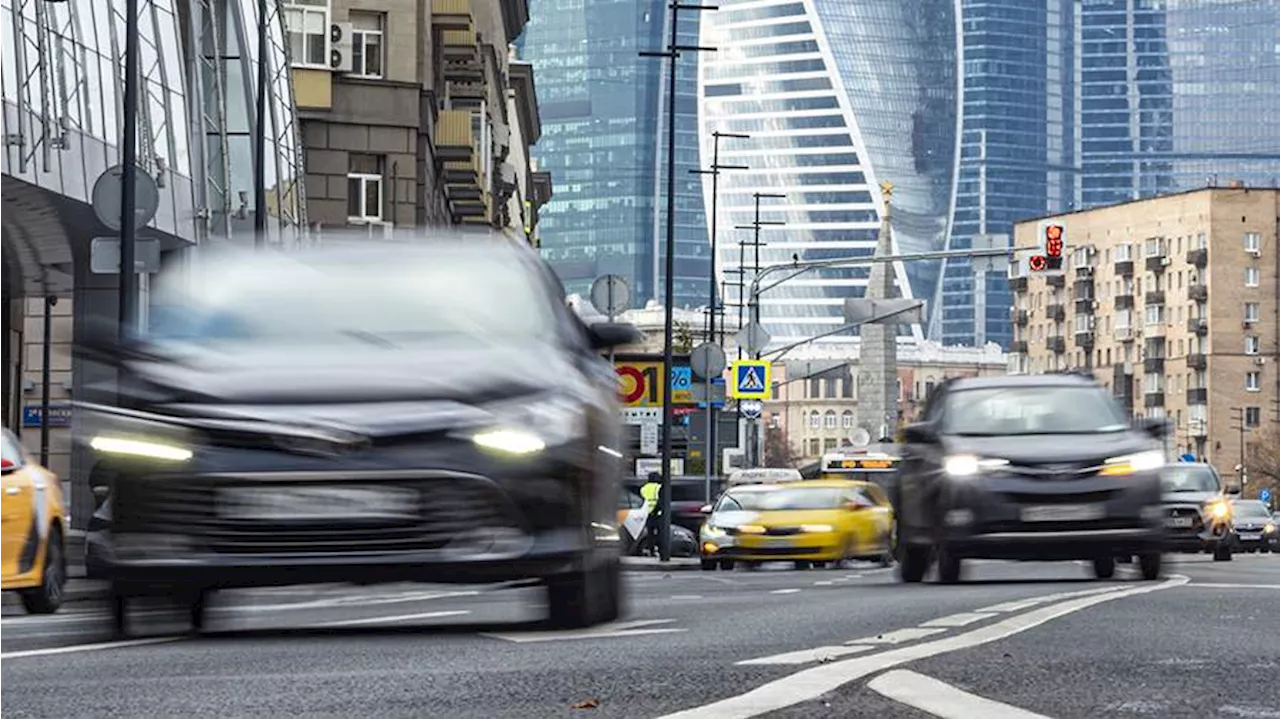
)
(1188, 458)
(751, 379)
(751, 408)
(1265, 495)
(752, 337)
(59, 414)
(108, 190)
(611, 295)
(707, 360)
(861, 310)
(104, 256)
(638, 384)
(649, 438)
(641, 415)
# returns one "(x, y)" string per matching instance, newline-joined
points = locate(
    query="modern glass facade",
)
(604, 140)
(837, 97)
(1017, 157)
(1177, 94)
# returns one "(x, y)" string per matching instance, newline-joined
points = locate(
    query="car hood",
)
(1050, 448)
(1190, 497)
(356, 375)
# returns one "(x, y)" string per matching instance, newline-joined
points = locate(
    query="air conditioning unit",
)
(1255, 253)
(1259, 361)
(1166, 261)
(340, 53)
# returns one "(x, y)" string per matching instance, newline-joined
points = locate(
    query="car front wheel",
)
(586, 597)
(1151, 565)
(47, 598)
(1104, 567)
(913, 562)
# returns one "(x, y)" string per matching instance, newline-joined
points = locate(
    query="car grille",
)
(1182, 514)
(1056, 470)
(1098, 497)
(782, 531)
(443, 512)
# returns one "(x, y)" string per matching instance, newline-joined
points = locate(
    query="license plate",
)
(317, 503)
(1179, 521)
(1251, 537)
(1063, 513)
(784, 543)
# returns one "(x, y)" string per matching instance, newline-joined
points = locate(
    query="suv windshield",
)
(782, 499)
(1250, 509)
(1003, 411)
(1189, 478)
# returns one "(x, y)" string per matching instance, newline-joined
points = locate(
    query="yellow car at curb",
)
(34, 530)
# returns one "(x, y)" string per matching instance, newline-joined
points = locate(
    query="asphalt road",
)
(1016, 640)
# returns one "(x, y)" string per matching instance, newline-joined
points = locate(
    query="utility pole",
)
(672, 53)
(753, 426)
(1239, 415)
(709, 462)
(129, 183)
(260, 136)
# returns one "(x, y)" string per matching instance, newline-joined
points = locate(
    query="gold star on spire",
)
(886, 188)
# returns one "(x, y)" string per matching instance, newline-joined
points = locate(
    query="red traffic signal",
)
(1053, 240)
(1037, 263)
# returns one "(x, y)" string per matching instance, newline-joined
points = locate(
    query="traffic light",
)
(1053, 237)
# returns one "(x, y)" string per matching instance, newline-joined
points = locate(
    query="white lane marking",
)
(686, 596)
(1020, 604)
(898, 636)
(824, 584)
(942, 700)
(806, 656)
(809, 684)
(87, 647)
(963, 619)
(1220, 585)
(784, 591)
(399, 618)
(619, 629)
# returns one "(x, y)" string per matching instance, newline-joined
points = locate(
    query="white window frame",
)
(364, 178)
(829, 420)
(358, 40)
(1252, 276)
(1253, 242)
(846, 420)
(1153, 315)
(1253, 381)
(815, 420)
(1251, 312)
(304, 9)
(1252, 344)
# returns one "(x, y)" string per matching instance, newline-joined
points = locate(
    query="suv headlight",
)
(1218, 509)
(1132, 464)
(527, 427)
(968, 465)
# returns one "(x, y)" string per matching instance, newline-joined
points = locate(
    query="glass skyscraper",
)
(837, 97)
(603, 110)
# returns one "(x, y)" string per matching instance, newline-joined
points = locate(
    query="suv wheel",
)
(1222, 552)
(1151, 565)
(1104, 567)
(949, 566)
(913, 562)
(586, 597)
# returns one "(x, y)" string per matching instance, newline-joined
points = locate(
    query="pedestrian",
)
(649, 493)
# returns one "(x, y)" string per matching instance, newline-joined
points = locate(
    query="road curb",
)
(676, 566)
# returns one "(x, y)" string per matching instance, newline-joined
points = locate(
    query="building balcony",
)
(1198, 326)
(1018, 284)
(1057, 345)
(1198, 360)
(1198, 395)
(1155, 330)
(1124, 334)
(1157, 264)
(1153, 399)
(459, 163)
(1154, 297)
(1198, 292)
(1124, 302)
(1085, 339)
(1153, 365)
(1018, 347)
(1084, 306)
(1124, 268)
(1083, 287)
(1020, 317)
(1056, 311)
(1056, 281)
(1198, 258)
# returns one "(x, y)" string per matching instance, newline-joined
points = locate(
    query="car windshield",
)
(1188, 479)
(1250, 509)
(377, 298)
(1004, 411)
(782, 499)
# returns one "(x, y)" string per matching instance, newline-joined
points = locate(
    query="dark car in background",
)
(1197, 509)
(1253, 526)
(1028, 467)
(376, 413)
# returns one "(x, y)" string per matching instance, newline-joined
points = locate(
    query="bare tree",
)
(1263, 459)
(778, 452)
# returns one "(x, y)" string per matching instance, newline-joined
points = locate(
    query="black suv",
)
(390, 412)
(1031, 467)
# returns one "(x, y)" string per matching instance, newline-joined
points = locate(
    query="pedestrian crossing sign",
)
(751, 379)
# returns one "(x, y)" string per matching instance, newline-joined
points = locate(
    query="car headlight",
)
(968, 465)
(816, 528)
(140, 448)
(1269, 529)
(1132, 464)
(1218, 509)
(527, 427)
(711, 530)
(751, 529)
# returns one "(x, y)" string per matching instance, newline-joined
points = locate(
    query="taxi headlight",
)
(751, 529)
(816, 528)
(528, 427)
(711, 530)
(140, 448)
(968, 465)
(1132, 464)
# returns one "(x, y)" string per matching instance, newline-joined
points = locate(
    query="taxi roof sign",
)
(764, 476)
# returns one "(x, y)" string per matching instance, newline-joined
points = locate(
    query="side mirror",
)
(1157, 427)
(854, 506)
(704, 509)
(606, 335)
(920, 433)
(1233, 488)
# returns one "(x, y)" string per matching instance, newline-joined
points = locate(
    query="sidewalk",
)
(653, 564)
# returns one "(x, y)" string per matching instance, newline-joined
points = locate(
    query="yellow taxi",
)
(34, 530)
(809, 522)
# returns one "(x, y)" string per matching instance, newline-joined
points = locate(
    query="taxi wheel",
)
(709, 564)
(47, 598)
(726, 564)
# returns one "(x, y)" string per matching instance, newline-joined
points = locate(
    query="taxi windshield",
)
(782, 499)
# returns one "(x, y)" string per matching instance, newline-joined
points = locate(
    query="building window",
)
(1251, 312)
(829, 445)
(846, 420)
(364, 188)
(1253, 242)
(1251, 277)
(366, 44)
(814, 447)
(815, 421)
(815, 388)
(776, 387)
(1252, 344)
(307, 23)
(830, 420)
(1155, 314)
(1253, 381)
(1252, 416)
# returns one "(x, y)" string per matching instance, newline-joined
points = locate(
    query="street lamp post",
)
(709, 462)
(672, 53)
(129, 182)
(753, 307)
(260, 136)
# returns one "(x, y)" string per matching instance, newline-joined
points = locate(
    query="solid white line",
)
(806, 656)
(87, 647)
(1020, 604)
(942, 700)
(824, 584)
(809, 684)
(784, 591)
(686, 596)
(1219, 585)
(399, 618)
(618, 629)
(898, 636)
(962, 619)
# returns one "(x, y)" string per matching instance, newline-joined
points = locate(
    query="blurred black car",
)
(1197, 510)
(1254, 528)
(1031, 467)
(376, 413)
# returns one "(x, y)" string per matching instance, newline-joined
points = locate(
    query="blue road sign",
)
(59, 415)
(750, 379)
(751, 408)
(1188, 458)
(681, 378)
(1265, 495)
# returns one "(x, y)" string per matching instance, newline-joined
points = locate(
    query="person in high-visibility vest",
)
(650, 493)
